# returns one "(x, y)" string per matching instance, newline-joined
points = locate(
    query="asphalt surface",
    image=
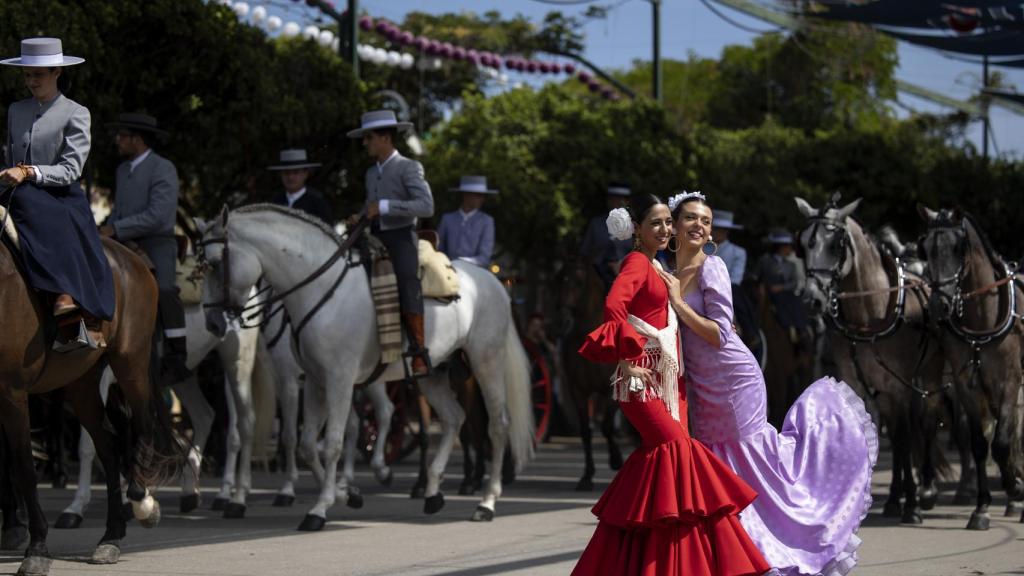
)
(541, 527)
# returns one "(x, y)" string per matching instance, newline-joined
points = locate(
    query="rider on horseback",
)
(599, 248)
(468, 233)
(295, 169)
(48, 142)
(145, 207)
(396, 196)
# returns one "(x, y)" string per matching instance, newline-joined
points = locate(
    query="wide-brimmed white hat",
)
(779, 236)
(476, 184)
(618, 189)
(293, 159)
(724, 220)
(376, 120)
(42, 53)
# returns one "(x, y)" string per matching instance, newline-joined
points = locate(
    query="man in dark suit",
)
(145, 206)
(295, 169)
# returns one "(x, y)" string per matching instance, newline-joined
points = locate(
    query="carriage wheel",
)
(541, 393)
(402, 439)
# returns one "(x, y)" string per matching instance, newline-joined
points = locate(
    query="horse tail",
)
(264, 400)
(518, 394)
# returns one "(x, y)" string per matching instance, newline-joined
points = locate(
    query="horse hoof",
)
(585, 485)
(964, 498)
(466, 489)
(312, 523)
(127, 513)
(418, 492)
(234, 511)
(355, 499)
(482, 514)
(60, 482)
(188, 503)
(68, 521)
(978, 521)
(912, 516)
(892, 509)
(105, 553)
(928, 498)
(35, 566)
(1014, 507)
(219, 504)
(433, 504)
(153, 519)
(14, 538)
(284, 500)
(385, 476)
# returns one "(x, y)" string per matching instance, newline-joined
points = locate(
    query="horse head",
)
(944, 247)
(827, 247)
(232, 269)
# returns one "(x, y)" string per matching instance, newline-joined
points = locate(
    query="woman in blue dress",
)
(48, 142)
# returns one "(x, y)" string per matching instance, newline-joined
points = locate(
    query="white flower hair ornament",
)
(683, 197)
(620, 224)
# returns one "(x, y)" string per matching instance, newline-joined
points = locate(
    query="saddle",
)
(437, 275)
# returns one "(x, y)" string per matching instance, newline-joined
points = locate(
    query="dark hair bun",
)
(641, 204)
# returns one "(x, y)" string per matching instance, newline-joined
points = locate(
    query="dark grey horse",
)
(881, 346)
(977, 305)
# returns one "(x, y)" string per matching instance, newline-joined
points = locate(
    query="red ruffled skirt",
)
(672, 508)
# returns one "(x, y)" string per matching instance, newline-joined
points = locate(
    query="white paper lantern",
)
(241, 9)
(491, 73)
(274, 23)
(438, 64)
(225, 3)
(259, 14)
(326, 37)
(336, 44)
(503, 79)
(311, 32)
(290, 30)
(407, 61)
(394, 58)
(364, 51)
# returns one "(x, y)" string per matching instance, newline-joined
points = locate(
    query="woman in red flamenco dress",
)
(672, 508)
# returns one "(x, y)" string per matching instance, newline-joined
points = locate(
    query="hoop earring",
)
(636, 243)
(670, 248)
(709, 248)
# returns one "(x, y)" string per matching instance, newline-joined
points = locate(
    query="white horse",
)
(237, 350)
(338, 343)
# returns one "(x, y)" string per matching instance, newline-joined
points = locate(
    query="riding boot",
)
(414, 324)
(64, 304)
(173, 368)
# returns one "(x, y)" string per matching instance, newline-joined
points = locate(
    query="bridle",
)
(247, 312)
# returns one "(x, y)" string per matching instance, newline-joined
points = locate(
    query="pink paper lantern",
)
(532, 67)
(569, 67)
(470, 54)
(366, 23)
(423, 43)
(382, 26)
(447, 50)
(435, 47)
(459, 53)
(594, 85)
(407, 38)
(584, 76)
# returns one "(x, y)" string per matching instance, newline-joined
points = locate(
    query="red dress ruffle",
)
(613, 341)
(672, 508)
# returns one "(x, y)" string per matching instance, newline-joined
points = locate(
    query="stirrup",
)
(81, 340)
(407, 358)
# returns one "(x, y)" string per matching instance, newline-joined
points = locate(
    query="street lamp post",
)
(348, 30)
(656, 63)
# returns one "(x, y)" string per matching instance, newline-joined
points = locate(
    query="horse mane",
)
(292, 212)
(990, 250)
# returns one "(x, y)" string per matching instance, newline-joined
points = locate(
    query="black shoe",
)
(173, 370)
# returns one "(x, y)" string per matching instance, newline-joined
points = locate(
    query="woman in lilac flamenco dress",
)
(813, 479)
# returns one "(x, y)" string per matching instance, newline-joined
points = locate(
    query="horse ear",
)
(224, 216)
(806, 209)
(848, 209)
(927, 214)
(958, 213)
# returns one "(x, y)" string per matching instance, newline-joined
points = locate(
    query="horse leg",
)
(491, 378)
(347, 478)
(338, 400)
(245, 414)
(202, 416)
(923, 411)
(234, 444)
(966, 489)
(893, 507)
(15, 422)
(450, 413)
(1006, 445)
(14, 534)
(415, 399)
(289, 395)
(55, 440)
(608, 431)
(581, 399)
(979, 449)
(383, 410)
(902, 459)
(314, 414)
(72, 516)
(465, 438)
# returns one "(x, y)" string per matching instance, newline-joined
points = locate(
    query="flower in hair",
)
(683, 197)
(620, 224)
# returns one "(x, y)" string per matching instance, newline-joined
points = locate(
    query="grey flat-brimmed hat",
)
(138, 122)
(476, 184)
(377, 120)
(42, 53)
(779, 236)
(724, 220)
(619, 189)
(293, 159)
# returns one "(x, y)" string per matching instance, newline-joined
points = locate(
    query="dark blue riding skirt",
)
(60, 246)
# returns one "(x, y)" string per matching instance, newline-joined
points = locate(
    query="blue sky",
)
(688, 26)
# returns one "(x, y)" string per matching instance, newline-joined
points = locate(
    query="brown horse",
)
(140, 446)
(581, 300)
(976, 303)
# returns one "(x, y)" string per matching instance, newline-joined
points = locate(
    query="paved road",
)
(541, 529)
